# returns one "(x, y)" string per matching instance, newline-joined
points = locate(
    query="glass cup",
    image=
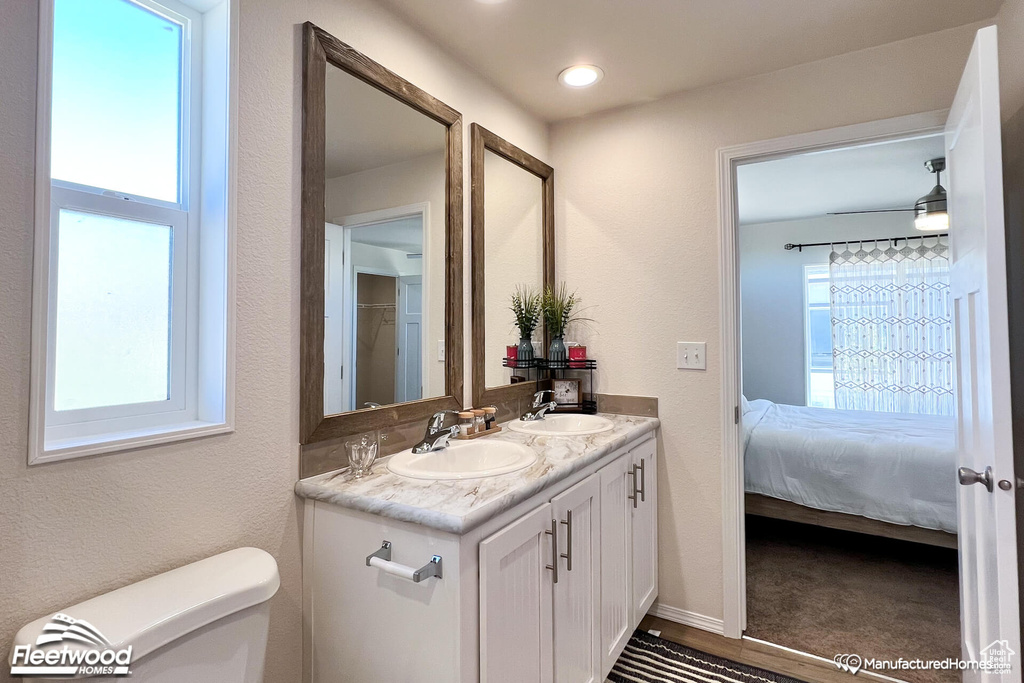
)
(362, 451)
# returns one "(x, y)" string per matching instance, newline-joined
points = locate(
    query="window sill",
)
(66, 449)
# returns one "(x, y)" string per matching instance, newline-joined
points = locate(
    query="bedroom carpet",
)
(828, 592)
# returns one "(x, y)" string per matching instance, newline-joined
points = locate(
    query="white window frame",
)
(201, 372)
(807, 327)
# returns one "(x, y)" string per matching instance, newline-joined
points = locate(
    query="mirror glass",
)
(384, 261)
(513, 256)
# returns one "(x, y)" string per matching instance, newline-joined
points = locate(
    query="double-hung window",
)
(130, 332)
(818, 338)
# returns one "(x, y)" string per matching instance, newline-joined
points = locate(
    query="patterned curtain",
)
(892, 336)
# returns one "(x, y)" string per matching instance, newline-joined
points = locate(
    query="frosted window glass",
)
(116, 98)
(113, 311)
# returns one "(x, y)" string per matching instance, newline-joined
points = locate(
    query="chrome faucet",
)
(539, 407)
(437, 435)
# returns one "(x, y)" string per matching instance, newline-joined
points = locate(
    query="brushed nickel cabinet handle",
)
(568, 540)
(643, 482)
(633, 497)
(554, 551)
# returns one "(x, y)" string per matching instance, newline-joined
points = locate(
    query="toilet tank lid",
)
(156, 611)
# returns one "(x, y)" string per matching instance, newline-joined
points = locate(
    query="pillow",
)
(744, 405)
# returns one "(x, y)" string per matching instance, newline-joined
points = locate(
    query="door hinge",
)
(736, 415)
(342, 372)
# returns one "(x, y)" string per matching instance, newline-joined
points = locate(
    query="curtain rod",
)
(894, 240)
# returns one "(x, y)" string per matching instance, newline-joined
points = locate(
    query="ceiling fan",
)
(930, 210)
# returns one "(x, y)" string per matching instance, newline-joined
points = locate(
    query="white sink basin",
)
(464, 460)
(563, 425)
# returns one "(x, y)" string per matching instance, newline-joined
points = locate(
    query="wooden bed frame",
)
(764, 506)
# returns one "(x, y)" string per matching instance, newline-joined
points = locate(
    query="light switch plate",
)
(691, 355)
(440, 350)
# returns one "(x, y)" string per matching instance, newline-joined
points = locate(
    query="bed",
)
(887, 474)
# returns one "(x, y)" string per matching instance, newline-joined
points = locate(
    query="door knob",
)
(967, 476)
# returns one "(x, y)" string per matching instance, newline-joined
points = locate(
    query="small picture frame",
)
(567, 391)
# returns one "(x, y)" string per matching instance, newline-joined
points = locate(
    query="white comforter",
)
(887, 466)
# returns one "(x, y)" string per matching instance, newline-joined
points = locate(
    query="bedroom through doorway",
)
(848, 412)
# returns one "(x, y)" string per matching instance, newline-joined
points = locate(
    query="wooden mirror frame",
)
(319, 48)
(483, 140)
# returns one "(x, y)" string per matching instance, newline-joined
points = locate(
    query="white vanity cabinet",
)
(515, 601)
(606, 525)
(643, 529)
(547, 591)
(577, 595)
(629, 547)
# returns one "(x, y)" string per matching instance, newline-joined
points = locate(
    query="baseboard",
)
(687, 618)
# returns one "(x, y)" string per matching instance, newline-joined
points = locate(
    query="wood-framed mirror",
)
(381, 257)
(513, 245)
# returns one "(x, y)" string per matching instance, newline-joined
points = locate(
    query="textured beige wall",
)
(73, 530)
(1010, 21)
(637, 218)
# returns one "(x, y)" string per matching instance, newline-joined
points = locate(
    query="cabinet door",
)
(577, 595)
(645, 529)
(616, 596)
(515, 601)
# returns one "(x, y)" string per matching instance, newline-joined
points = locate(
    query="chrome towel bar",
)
(381, 559)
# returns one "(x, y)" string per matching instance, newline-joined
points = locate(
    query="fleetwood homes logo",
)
(59, 651)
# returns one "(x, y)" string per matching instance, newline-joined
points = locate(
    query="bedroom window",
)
(130, 330)
(818, 338)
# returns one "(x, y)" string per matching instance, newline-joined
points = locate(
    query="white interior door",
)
(335, 395)
(515, 601)
(987, 534)
(409, 338)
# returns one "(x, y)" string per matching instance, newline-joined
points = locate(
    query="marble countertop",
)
(458, 506)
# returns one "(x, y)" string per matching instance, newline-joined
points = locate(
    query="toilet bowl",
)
(202, 623)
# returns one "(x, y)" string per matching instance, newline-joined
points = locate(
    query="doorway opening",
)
(373, 328)
(847, 405)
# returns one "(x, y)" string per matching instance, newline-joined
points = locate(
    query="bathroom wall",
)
(772, 294)
(638, 234)
(76, 529)
(1011, 55)
(1010, 21)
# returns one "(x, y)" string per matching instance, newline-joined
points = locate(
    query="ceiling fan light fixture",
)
(930, 214)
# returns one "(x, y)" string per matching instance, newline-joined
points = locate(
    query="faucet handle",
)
(437, 419)
(538, 398)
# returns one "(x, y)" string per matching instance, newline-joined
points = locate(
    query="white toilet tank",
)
(202, 623)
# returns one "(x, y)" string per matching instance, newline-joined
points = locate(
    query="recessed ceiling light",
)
(580, 76)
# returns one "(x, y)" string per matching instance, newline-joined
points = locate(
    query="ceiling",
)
(887, 175)
(403, 234)
(369, 129)
(652, 48)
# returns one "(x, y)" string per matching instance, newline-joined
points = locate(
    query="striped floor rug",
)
(648, 659)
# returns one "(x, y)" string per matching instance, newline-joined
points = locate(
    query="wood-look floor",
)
(756, 653)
